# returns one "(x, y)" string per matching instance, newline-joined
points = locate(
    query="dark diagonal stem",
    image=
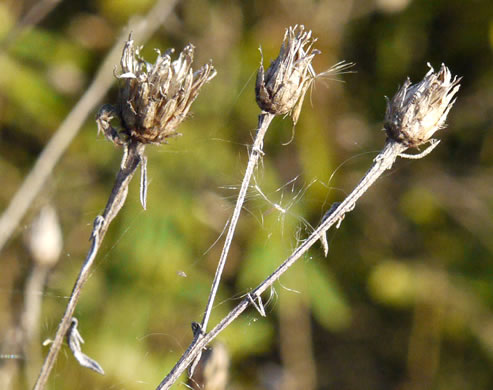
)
(130, 161)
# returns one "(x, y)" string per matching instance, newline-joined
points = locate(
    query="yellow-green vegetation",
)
(404, 299)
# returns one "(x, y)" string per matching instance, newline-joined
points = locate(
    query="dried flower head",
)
(282, 88)
(155, 98)
(417, 111)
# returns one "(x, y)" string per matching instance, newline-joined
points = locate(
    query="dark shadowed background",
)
(404, 300)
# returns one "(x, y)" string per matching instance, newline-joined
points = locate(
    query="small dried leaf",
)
(75, 341)
(143, 182)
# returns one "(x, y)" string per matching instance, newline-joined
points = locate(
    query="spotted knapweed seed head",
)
(417, 111)
(155, 98)
(282, 88)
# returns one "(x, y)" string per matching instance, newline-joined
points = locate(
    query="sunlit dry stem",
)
(278, 91)
(131, 159)
(264, 121)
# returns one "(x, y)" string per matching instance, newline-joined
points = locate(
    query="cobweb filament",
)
(282, 206)
(11, 357)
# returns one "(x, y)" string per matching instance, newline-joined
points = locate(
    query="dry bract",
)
(417, 111)
(155, 98)
(282, 88)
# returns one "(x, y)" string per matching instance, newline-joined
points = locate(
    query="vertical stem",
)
(264, 121)
(30, 319)
(130, 162)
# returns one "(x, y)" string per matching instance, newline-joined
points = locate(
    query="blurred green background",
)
(404, 299)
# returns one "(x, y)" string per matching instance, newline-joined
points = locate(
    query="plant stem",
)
(382, 162)
(30, 319)
(33, 16)
(130, 161)
(264, 121)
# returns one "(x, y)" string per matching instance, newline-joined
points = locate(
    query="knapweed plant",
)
(155, 98)
(412, 117)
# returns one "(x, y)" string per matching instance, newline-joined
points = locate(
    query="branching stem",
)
(382, 162)
(130, 161)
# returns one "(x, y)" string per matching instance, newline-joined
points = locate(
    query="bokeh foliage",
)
(404, 299)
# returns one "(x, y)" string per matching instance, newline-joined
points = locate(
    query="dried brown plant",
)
(168, 87)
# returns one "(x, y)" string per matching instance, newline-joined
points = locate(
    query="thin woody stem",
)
(264, 121)
(130, 161)
(382, 162)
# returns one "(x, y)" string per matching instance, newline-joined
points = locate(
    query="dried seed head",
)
(155, 98)
(282, 88)
(417, 111)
